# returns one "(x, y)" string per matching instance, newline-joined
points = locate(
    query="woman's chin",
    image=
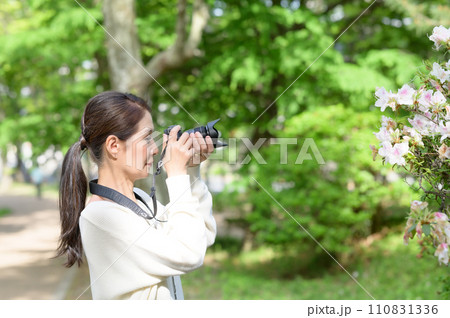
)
(143, 172)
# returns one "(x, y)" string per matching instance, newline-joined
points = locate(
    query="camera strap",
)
(159, 165)
(119, 198)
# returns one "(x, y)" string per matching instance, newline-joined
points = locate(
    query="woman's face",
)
(140, 149)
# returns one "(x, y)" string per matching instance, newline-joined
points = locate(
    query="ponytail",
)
(105, 114)
(72, 200)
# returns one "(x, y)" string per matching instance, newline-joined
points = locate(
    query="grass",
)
(387, 270)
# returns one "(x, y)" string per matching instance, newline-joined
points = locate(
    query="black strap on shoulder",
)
(119, 198)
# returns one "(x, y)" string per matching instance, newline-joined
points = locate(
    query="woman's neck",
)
(116, 181)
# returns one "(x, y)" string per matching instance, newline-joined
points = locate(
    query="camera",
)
(207, 130)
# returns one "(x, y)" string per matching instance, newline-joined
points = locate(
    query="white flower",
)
(444, 130)
(440, 36)
(418, 205)
(447, 65)
(384, 135)
(442, 253)
(447, 232)
(425, 100)
(413, 134)
(441, 227)
(388, 122)
(421, 124)
(438, 98)
(432, 127)
(439, 72)
(444, 152)
(405, 95)
(394, 155)
(385, 99)
(439, 216)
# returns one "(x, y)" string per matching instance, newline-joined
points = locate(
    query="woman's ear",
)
(112, 146)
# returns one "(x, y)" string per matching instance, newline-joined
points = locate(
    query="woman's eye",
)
(148, 139)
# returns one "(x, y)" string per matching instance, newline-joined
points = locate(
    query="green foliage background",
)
(252, 52)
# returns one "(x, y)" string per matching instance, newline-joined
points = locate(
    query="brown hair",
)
(108, 113)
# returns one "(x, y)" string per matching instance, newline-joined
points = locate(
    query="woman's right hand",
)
(178, 152)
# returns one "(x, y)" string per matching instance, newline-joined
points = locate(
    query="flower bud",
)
(419, 230)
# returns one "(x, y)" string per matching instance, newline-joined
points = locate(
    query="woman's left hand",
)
(202, 148)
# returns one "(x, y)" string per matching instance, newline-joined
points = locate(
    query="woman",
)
(131, 257)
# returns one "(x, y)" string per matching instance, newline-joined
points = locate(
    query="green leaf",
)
(426, 229)
(413, 227)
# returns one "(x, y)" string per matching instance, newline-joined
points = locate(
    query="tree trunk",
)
(21, 169)
(127, 71)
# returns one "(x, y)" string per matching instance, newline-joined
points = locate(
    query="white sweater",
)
(130, 257)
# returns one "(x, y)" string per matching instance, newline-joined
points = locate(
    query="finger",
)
(209, 144)
(201, 141)
(184, 137)
(173, 133)
(195, 143)
(196, 157)
(188, 144)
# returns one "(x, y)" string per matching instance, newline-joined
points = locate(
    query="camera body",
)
(207, 130)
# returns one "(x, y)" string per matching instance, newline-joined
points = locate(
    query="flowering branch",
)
(422, 145)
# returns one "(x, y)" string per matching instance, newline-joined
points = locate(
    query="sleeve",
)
(201, 192)
(173, 249)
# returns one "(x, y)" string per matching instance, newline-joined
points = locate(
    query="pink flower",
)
(439, 73)
(388, 122)
(440, 216)
(385, 99)
(394, 155)
(406, 237)
(412, 134)
(421, 124)
(442, 253)
(383, 135)
(425, 100)
(419, 230)
(440, 36)
(418, 205)
(444, 152)
(447, 232)
(444, 130)
(405, 95)
(441, 227)
(438, 98)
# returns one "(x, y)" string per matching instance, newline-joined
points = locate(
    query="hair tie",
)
(83, 143)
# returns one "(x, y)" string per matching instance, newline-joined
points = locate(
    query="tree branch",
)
(180, 28)
(183, 49)
(200, 17)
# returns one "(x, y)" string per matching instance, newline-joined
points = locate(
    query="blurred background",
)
(233, 60)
